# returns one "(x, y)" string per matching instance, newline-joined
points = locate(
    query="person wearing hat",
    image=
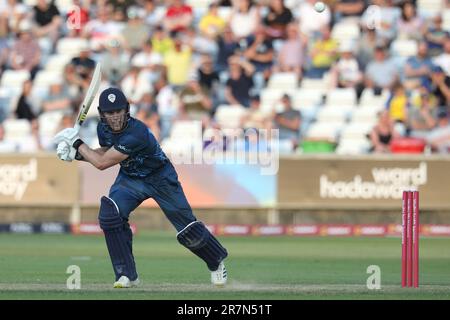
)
(145, 172)
(346, 72)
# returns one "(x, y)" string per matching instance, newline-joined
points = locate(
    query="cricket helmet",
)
(113, 99)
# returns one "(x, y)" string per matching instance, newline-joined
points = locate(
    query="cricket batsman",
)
(145, 172)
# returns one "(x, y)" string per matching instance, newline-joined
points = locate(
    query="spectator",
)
(57, 99)
(409, 25)
(25, 108)
(277, 19)
(443, 60)
(417, 68)
(383, 133)
(255, 118)
(77, 17)
(167, 102)
(435, 36)
(199, 43)
(386, 25)
(115, 62)
(152, 18)
(48, 20)
(288, 122)
(237, 91)
(346, 72)
(291, 56)
(439, 137)
(161, 42)
(209, 79)
(244, 19)
(119, 8)
(14, 12)
(211, 25)
(259, 51)
(135, 31)
(347, 8)
(102, 28)
(135, 83)
(323, 54)
(440, 87)
(4, 44)
(26, 53)
(179, 17)
(398, 105)
(311, 21)
(178, 63)
(381, 73)
(227, 47)
(79, 71)
(423, 115)
(367, 45)
(150, 61)
(195, 104)
(147, 112)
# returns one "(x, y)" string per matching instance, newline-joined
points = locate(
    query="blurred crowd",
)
(176, 62)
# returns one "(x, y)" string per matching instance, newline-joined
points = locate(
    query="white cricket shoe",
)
(124, 282)
(219, 277)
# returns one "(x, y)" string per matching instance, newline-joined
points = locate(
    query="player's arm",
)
(102, 158)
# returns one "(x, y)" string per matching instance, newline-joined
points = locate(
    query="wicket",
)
(410, 239)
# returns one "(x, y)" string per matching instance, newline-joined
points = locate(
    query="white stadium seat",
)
(353, 146)
(341, 97)
(57, 62)
(404, 48)
(325, 130)
(345, 31)
(356, 130)
(334, 113)
(186, 130)
(283, 80)
(71, 46)
(14, 78)
(45, 78)
(17, 128)
(229, 116)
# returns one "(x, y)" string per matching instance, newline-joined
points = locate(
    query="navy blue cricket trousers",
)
(163, 186)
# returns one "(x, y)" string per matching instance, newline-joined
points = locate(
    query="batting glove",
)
(65, 152)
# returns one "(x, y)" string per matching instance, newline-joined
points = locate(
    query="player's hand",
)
(68, 135)
(65, 152)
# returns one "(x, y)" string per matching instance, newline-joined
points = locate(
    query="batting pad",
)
(118, 238)
(197, 238)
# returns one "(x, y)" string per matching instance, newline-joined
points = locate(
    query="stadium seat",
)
(71, 46)
(356, 130)
(270, 96)
(229, 116)
(446, 19)
(404, 48)
(57, 62)
(45, 78)
(429, 8)
(353, 146)
(224, 13)
(317, 84)
(49, 122)
(186, 130)
(325, 130)
(341, 97)
(344, 31)
(64, 5)
(340, 113)
(366, 114)
(283, 80)
(14, 78)
(17, 128)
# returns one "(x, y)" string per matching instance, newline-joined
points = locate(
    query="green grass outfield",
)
(34, 267)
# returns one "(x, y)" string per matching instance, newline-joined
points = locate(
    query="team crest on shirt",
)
(112, 97)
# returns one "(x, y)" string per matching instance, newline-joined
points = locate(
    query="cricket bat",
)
(89, 98)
